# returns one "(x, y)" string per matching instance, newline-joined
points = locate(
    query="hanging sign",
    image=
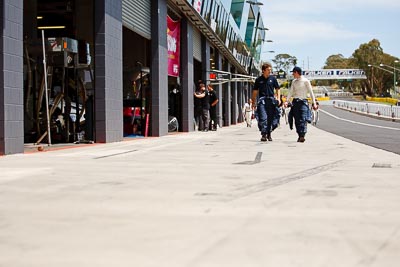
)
(332, 74)
(173, 41)
(197, 5)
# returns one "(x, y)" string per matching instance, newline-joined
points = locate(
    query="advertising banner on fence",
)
(332, 74)
(173, 42)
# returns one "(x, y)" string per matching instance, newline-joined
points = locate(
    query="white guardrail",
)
(340, 94)
(379, 110)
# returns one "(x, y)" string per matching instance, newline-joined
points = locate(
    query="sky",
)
(313, 30)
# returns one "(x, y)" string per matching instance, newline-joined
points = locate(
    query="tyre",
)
(173, 125)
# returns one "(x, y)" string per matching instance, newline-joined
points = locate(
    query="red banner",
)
(173, 41)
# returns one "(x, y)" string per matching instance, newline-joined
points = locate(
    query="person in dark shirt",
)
(197, 106)
(205, 107)
(213, 108)
(266, 87)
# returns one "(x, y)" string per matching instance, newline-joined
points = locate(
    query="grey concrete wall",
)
(235, 105)
(187, 124)
(159, 70)
(205, 59)
(241, 100)
(226, 87)
(218, 88)
(11, 77)
(108, 71)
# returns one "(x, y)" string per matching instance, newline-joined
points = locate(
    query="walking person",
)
(315, 114)
(284, 110)
(265, 87)
(300, 110)
(248, 112)
(205, 107)
(213, 108)
(198, 109)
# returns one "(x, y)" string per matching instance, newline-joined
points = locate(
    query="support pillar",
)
(159, 68)
(235, 107)
(187, 124)
(108, 71)
(218, 89)
(240, 100)
(227, 98)
(205, 59)
(11, 77)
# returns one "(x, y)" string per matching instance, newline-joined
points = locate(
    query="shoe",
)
(205, 130)
(264, 138)
(269, 137)
(301, 139)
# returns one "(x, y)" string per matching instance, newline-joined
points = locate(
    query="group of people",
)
(267, 90)
(265, 104)
(205, 107)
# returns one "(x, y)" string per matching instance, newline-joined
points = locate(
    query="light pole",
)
(269, 51)
(255, 33)
(394, 75)
(254, 2)
(394, 64)
(372, 77)
(391, 72)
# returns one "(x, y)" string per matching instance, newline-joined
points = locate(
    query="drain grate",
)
(382, 165)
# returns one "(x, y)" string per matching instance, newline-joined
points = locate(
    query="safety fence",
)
(379, 110)
(340, 94)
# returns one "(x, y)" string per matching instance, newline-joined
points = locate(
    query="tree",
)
(337, 62)
(367, 54)
(367, 57)
(284, 62)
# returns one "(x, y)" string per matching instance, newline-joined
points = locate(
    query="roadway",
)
(215, 199)
(360, 128)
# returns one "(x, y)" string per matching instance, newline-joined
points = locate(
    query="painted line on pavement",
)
(116, 154)
(247, 190)
(357, 122)
(256, 160)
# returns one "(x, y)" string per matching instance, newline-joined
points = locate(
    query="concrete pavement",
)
(203, 199)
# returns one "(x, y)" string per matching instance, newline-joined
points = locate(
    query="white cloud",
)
(318, 6)
(312, 30)
(303, 20)
(302, 31)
